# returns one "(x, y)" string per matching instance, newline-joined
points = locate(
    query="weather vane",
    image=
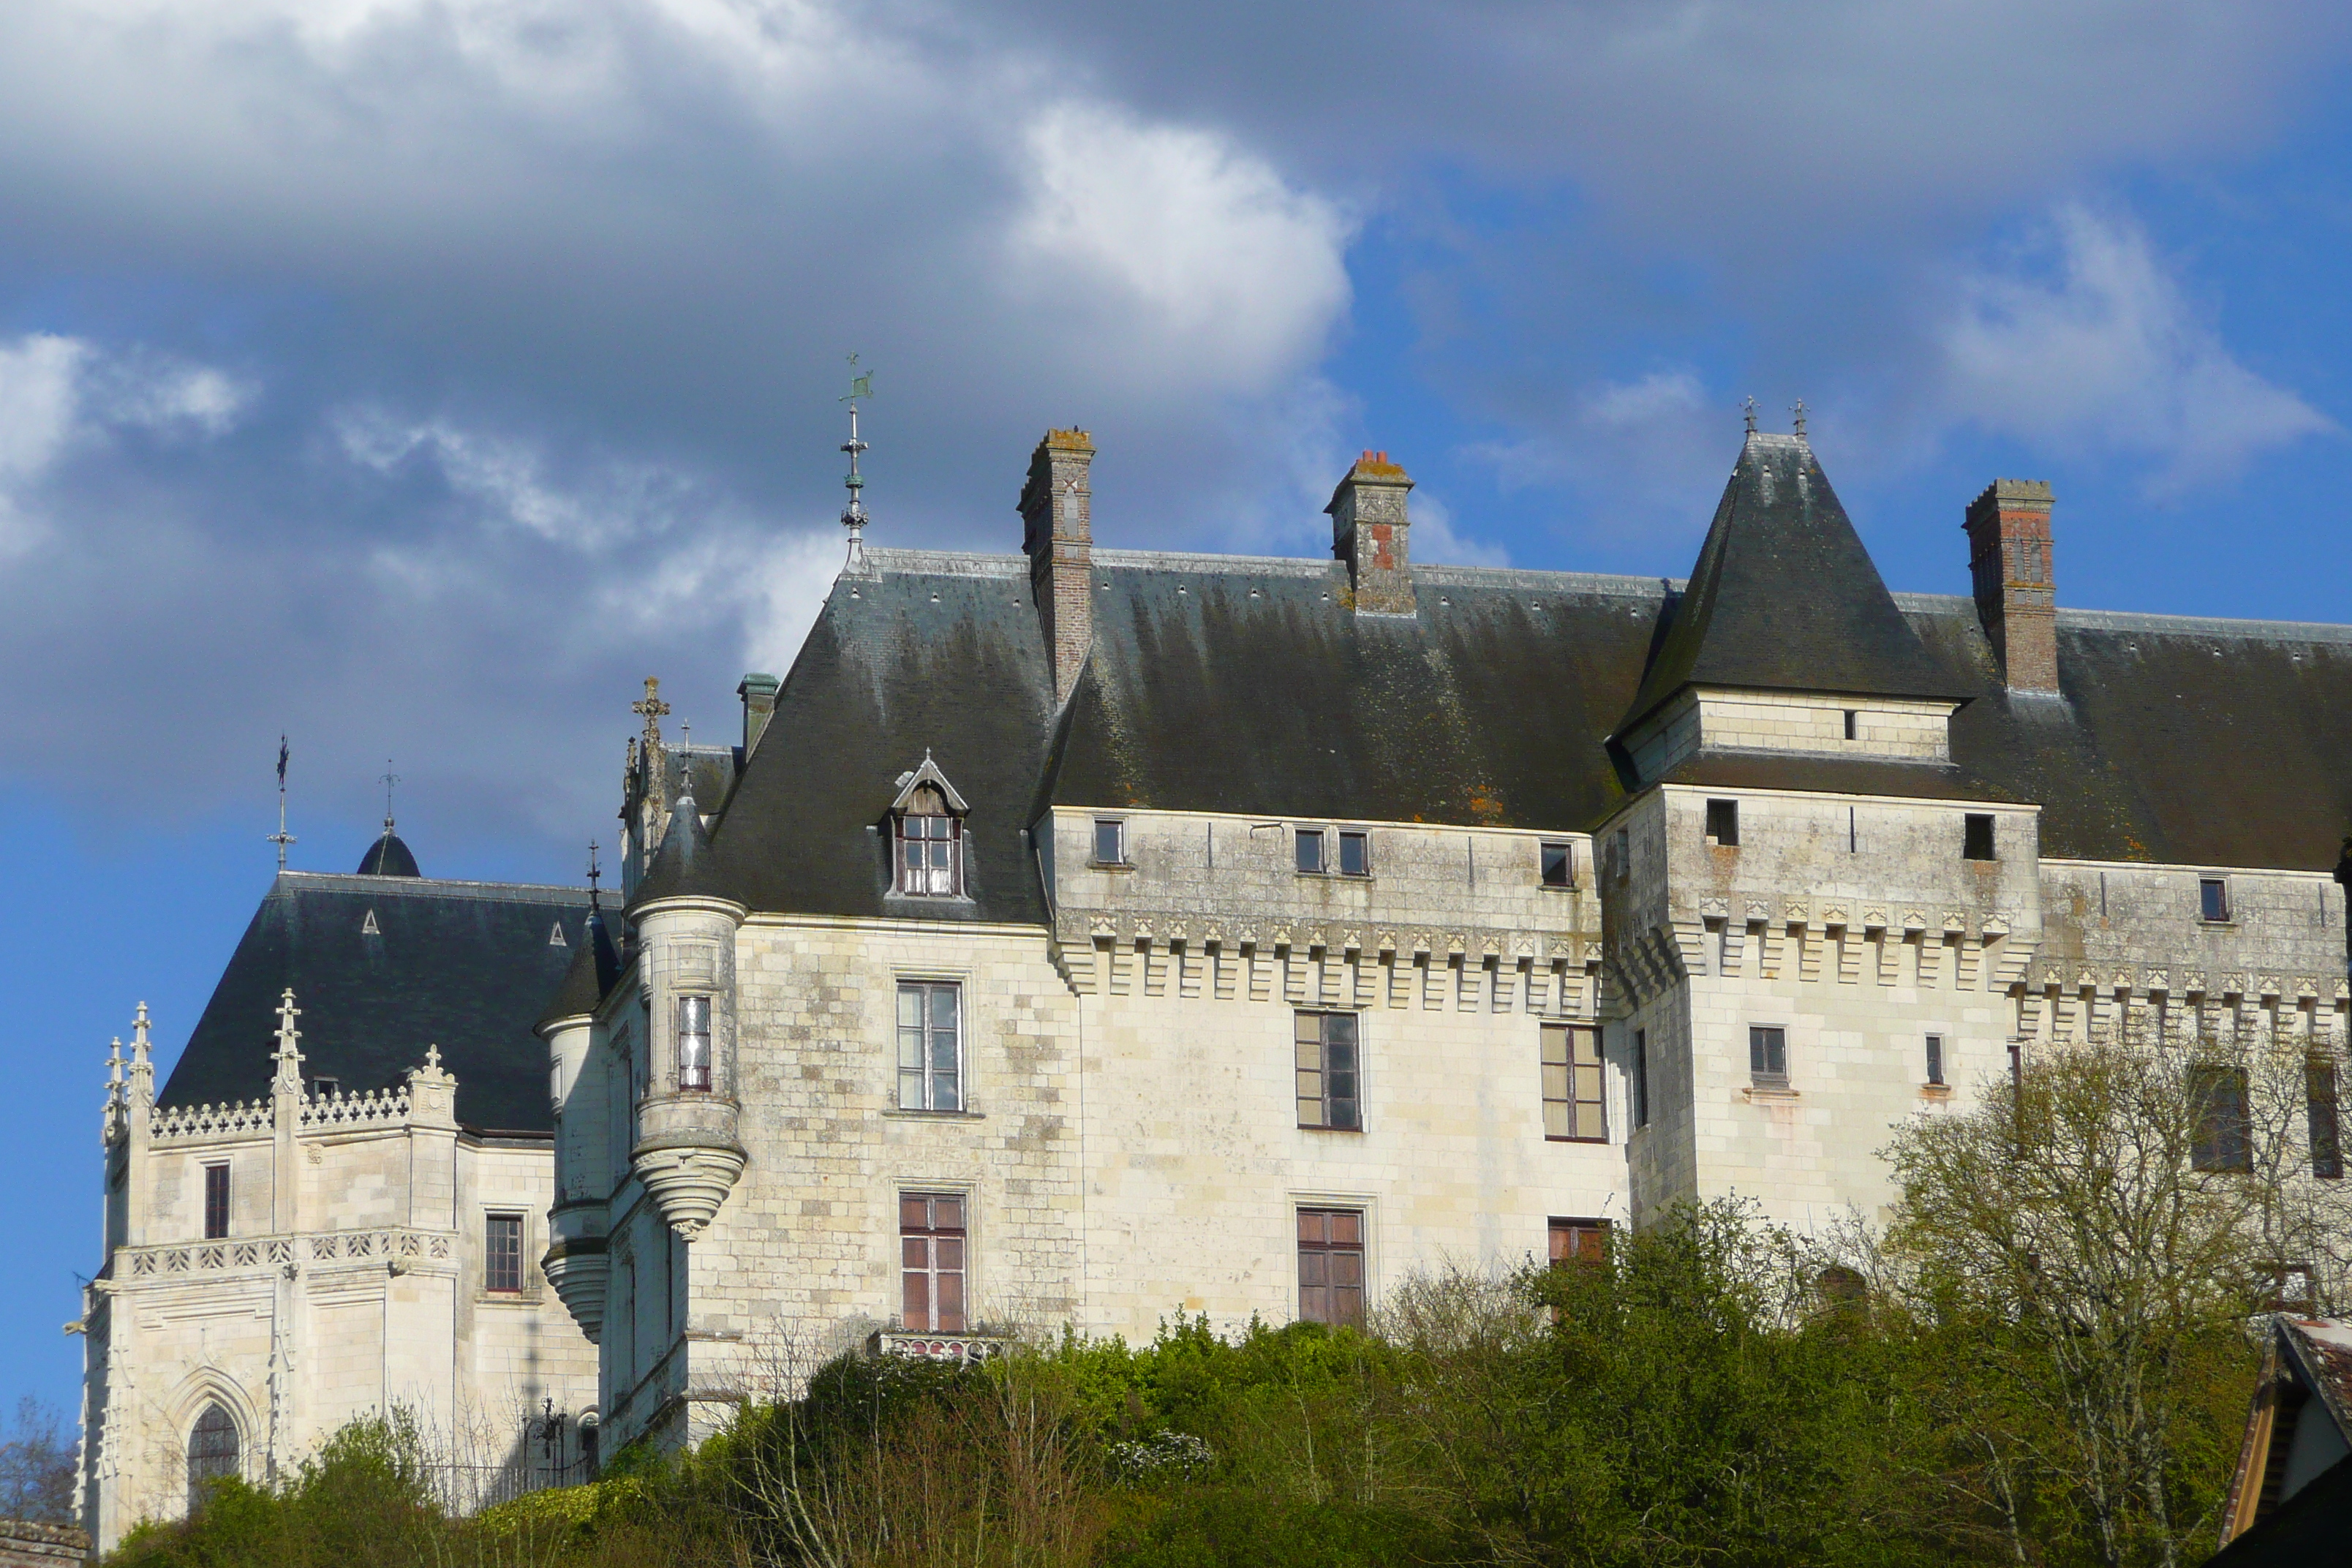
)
(853, 516)
(282, 837)
(1747, 407)
(1799, 410)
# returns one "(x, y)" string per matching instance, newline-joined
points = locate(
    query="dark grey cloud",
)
(416, 374)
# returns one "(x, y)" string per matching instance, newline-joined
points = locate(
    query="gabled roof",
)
(1784, 598)
(464, 965)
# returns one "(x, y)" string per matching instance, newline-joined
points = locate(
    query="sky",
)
(412, 378)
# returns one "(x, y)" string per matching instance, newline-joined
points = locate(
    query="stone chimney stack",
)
(1369, 531)
(2008, 558)
(759, 695)
(1057, 512)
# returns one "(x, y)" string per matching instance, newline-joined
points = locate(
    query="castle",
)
(1083, 935)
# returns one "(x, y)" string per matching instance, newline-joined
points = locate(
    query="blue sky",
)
(414, 376)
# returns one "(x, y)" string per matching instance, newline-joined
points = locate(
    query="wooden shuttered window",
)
(1331, 1265)
(931, 1243)
(1579, 1240)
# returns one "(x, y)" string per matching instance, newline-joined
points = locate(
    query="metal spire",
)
(853, 516)
(594, 871)
(1799, 410)
(389, 780)
(282, 837)
(1748, 408)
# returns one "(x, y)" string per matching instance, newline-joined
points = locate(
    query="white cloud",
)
(1434, 538)
(1645, 454)
(1202, 265)
(2086, 341)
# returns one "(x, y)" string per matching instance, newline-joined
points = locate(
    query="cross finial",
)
(594, 870)
(652, 708)
(1748, 408)
(432, 1058)
(390, 781)
(1799, 410)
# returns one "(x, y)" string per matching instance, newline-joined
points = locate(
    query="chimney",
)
(1058, 512)
(2008, 558)
(1369, 529)
(759, 695)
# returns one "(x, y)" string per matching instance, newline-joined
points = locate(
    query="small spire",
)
(288, 1055)
(1798, 410)
(390, 781)
(853, 516)
(114, 1065)
(282, 837)
(1748, 408)
(139, 1043)
(594, 871)
(652, 708)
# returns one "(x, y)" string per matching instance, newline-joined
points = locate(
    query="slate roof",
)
(1245, 685)
(464, 965)
(596, 964)
(1784, 598)
(388, 857)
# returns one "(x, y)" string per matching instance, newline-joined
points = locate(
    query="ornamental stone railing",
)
(395, 1247)
(338, 1110)
(232, 1120)
(957, 1348)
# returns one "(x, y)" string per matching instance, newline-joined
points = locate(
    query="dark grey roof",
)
(1784, 596)
(1247, 685)
(596, 964)
(388, 857)
(464, 965)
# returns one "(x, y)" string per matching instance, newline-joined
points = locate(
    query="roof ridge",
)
(455, 887)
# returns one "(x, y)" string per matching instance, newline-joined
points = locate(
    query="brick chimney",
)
(1369, 531)
(2008, 558)
(1058, 510)
(759, 695)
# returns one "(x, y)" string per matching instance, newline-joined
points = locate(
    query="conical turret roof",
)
(1784, 598)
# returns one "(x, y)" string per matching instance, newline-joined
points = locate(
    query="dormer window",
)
(926, 832)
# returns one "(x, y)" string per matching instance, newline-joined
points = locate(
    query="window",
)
(326, 1087)
(215, 1202)
(1579, 1241)
(1723, 822)
(2212, 899)
(1641, 1078)
(1559, 865)
(1309, 844)
(1355, 855)
(1326, 1071)
(2221, 1136)
(1976, 837)
(1624, 853)
(694, 1042)
(502, 1255)
(1571, 1084)
(1110, 841)
(2319, 1096)
(930, 1056)
(1331, 1265)
(1767, 1055)
(1936, 1060)
(1853, 724)
(212, 1452)
(931, 846)
(930, 1263)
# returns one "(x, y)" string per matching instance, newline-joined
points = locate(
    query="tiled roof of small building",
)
(468, 966)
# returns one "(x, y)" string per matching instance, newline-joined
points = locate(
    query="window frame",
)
(2210, 889)
(1567, 848)
(2220, 1090)
(927, 1068)
(1936, 1064)
(1299, 839)
(218, 1199)
(1571, 1081)
(1854, 723)
(946, 1255)
(1340, 1300)
(1323, 1072)
(1722, 813)
(2322, 1119)
(1361, 839)
(1116, 825)
(1765, 1041)
(905, 874)
(1571, 1239)
(1641, 1079)
(216, 1463)
(694, 1075)
(494, 1256)
(1972, 824)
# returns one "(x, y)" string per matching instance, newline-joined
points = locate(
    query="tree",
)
(38, 1467)
(2084, 1252)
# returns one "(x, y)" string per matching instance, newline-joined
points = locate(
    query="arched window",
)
(212, 1452)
